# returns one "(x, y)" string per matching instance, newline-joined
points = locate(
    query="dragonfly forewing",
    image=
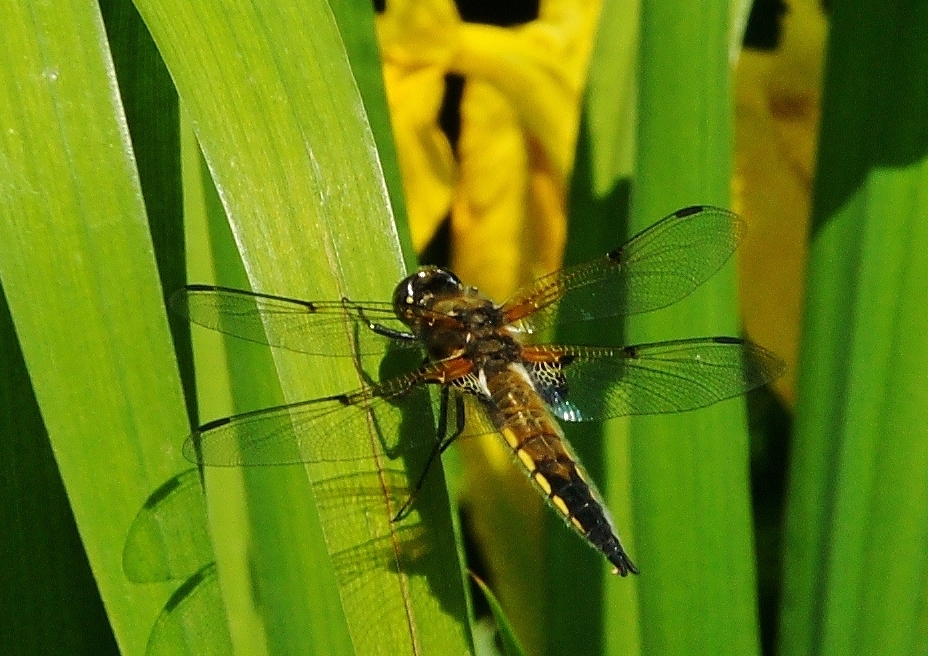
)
(654, 269)
(331, 328)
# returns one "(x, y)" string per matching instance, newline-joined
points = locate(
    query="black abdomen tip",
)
(623, 564)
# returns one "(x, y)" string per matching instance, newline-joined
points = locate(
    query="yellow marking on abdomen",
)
(526, 460)
(542, 482)
(558, 503)
(511, 439)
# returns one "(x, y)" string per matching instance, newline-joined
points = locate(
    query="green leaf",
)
(45, 560)
(79, 274)
(692, 525)
(510, 643)
(279, 119)
(579, 579)
(855, 563)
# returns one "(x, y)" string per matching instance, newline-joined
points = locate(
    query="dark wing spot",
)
(162, 493)
(216, 423)
(689, 211)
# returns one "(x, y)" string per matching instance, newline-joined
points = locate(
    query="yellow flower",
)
(505, 192)
(776, 118)
(520, 110)
(416, 42)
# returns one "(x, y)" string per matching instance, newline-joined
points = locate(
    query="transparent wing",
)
(583, 383)
(193, 620)
(333, 428)
(169, 537)
(656, 268)
(320, 328)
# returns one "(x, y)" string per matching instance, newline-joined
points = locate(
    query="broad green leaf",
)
(45, 560)
(856, 547)
(80, 277)
(693, 533)
(283, 129)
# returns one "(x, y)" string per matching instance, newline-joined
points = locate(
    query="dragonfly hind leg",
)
(442, 442)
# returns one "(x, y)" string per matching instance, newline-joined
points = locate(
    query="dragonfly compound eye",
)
(422, 288)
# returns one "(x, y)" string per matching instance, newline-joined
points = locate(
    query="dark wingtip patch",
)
(689, 211)
(164, 491)
(216, 423)
(188, 587)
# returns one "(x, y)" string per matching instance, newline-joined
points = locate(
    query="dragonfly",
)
(491, 367)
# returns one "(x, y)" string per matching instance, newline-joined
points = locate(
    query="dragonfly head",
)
(421, 290)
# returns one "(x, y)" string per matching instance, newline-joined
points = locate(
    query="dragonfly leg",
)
(443, 442)
(459, 420)
(378, 328)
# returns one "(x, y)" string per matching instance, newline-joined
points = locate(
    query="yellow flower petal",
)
(489, 212)
(424, 153)
(537, 69)
(414, 33)
(416, 39)
(777, 103)
(547, 228)
(527, 66)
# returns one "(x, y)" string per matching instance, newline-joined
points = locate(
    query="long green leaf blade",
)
(78, 271)
(282, 127)
(690, 490)
(43, 551)
(579, 578)
(857, 531)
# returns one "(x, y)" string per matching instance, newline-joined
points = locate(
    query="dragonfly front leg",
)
(378, 328)
(442, 442)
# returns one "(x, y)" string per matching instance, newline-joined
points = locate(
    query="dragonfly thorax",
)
(494, 353)
(451, 319)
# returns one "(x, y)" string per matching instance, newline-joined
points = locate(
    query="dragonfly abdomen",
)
(539, 445)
